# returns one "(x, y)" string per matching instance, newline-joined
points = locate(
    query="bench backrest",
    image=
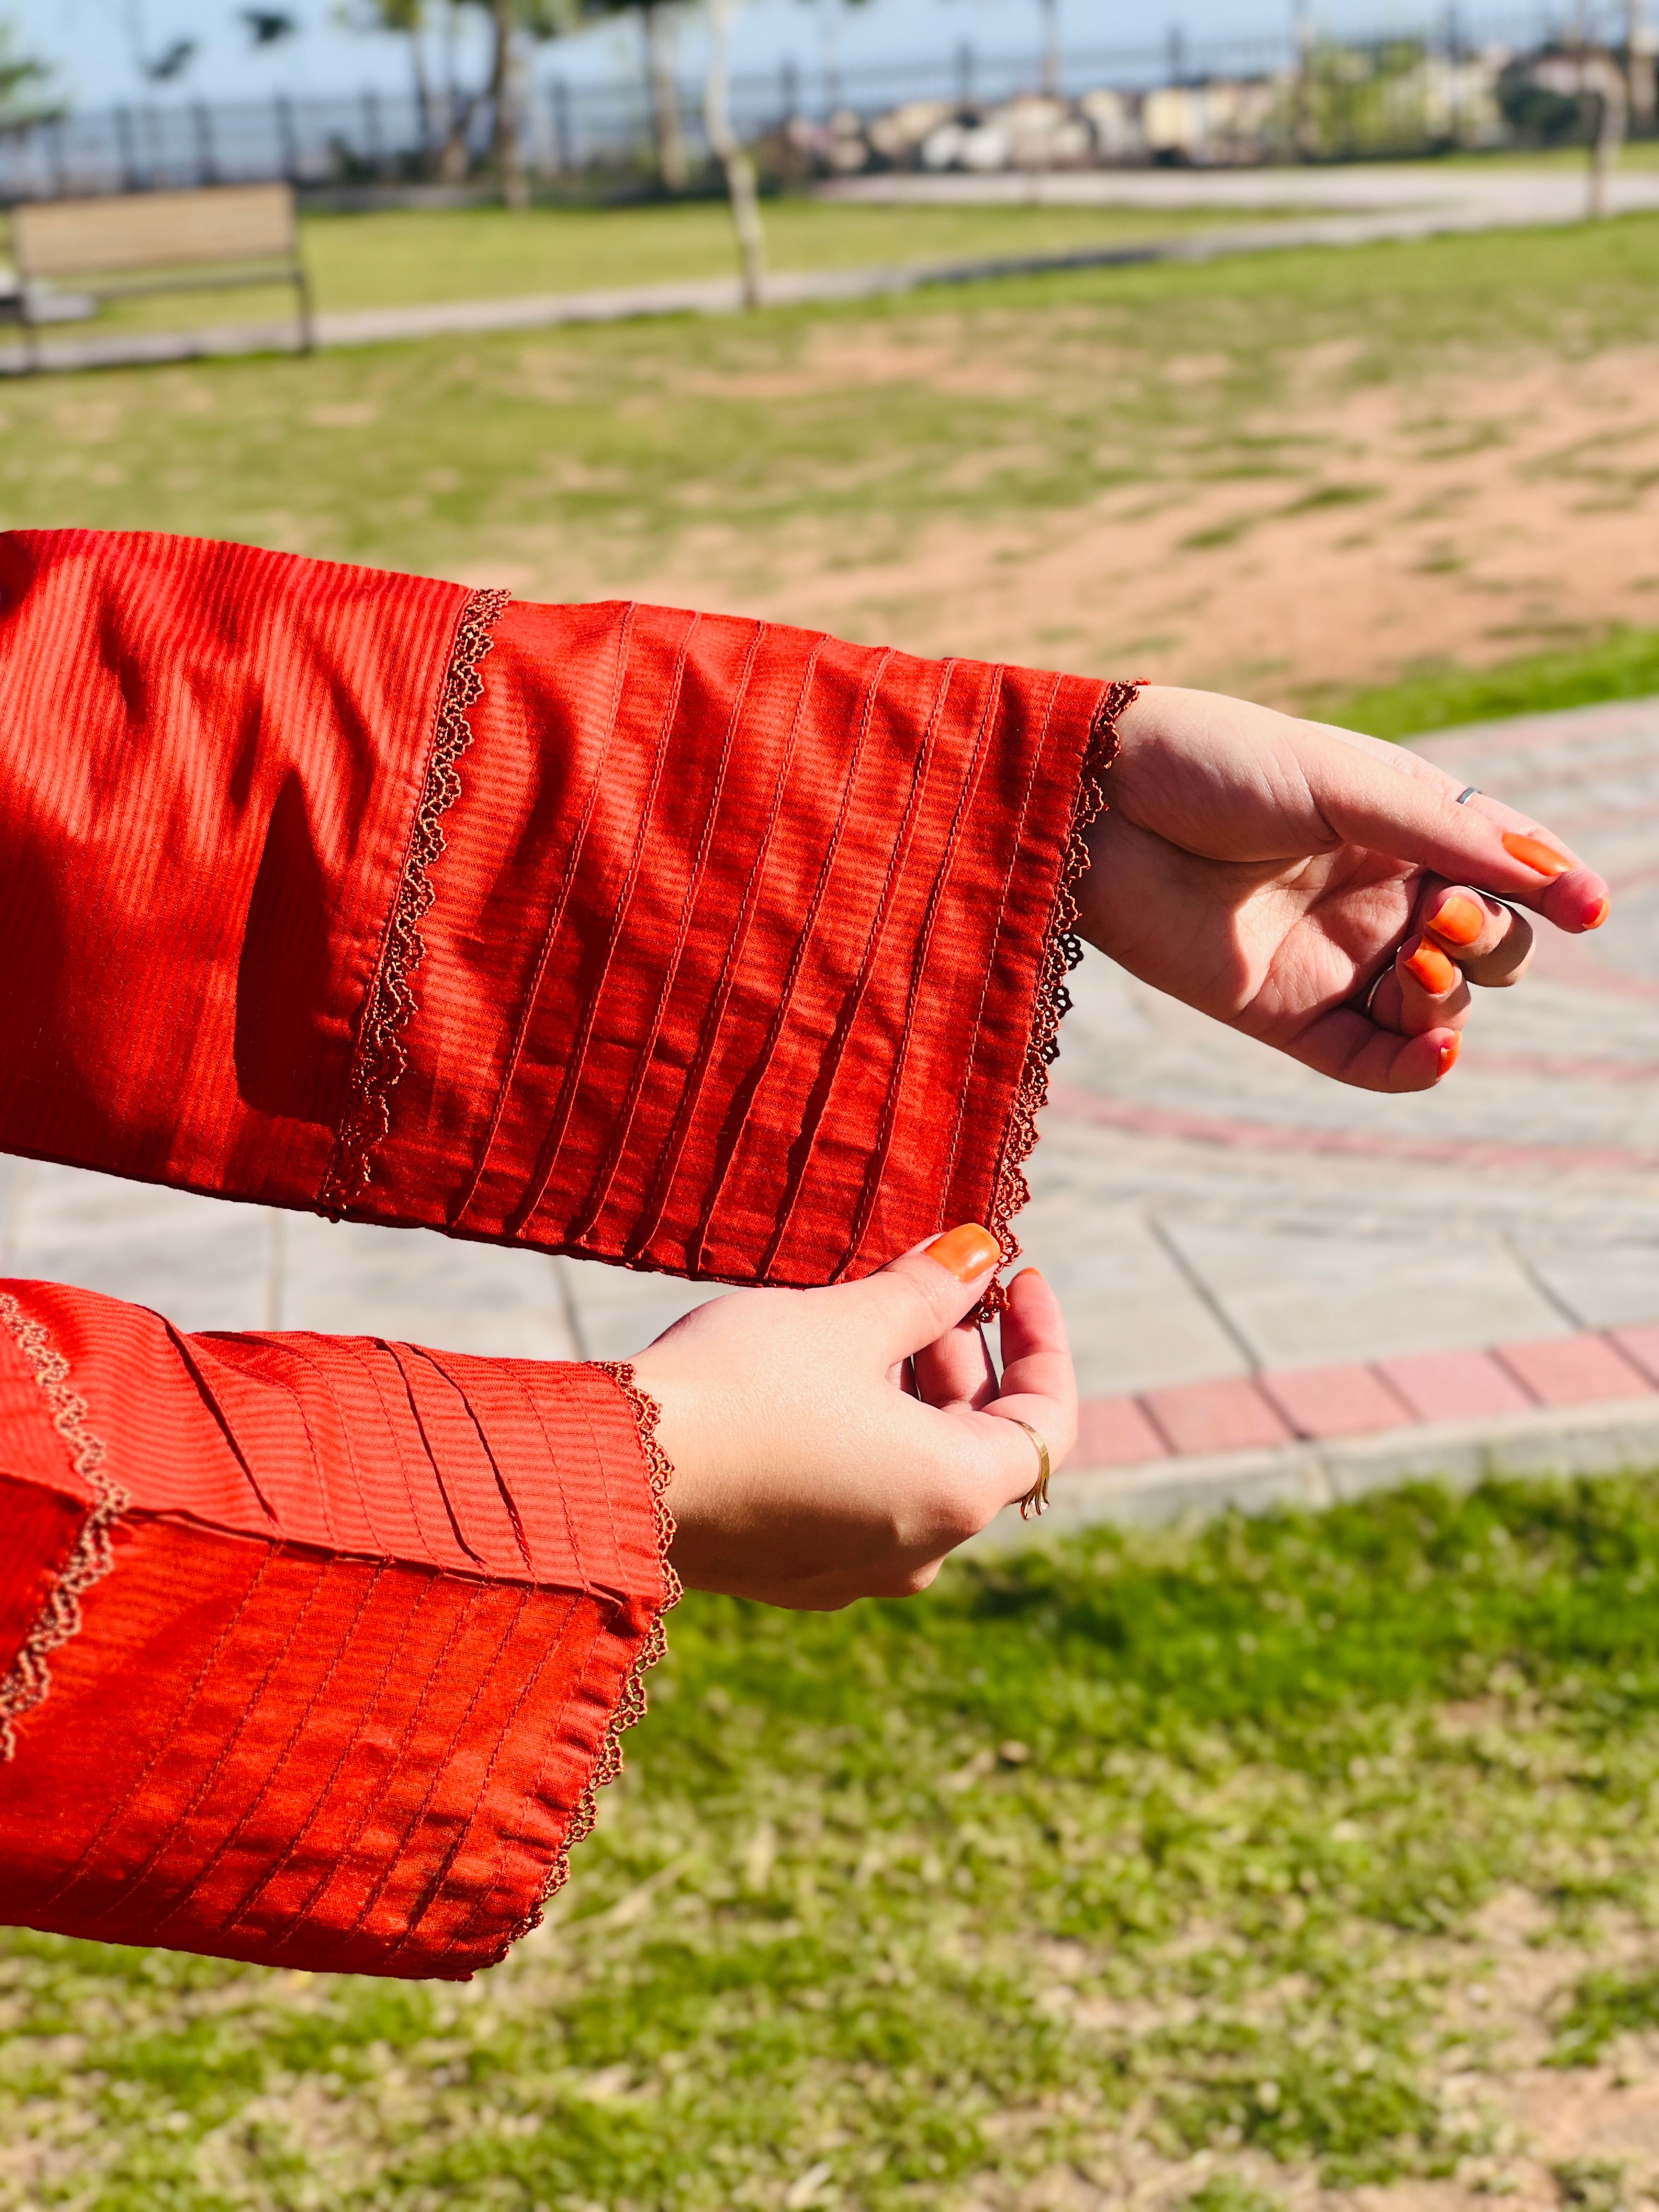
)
(154, 230)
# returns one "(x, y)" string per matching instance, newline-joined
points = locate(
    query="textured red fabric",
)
(351, 1677)
(211, 762)
(736, 942)
(702, 944)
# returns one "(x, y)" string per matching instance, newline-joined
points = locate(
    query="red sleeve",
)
(706, 944)
(312, 1650)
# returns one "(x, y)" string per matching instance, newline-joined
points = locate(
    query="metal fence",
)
(375, 138)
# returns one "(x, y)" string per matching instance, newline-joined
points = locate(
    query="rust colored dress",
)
(696, 943)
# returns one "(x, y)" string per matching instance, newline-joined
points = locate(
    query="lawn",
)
(1300, 474)
(1217, 1870)
(413, 256)
(1198, 1869)
(382, 260)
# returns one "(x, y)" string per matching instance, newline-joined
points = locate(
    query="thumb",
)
(915, 1298)
(1393, 801)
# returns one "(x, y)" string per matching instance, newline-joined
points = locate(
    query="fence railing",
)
(568, 129)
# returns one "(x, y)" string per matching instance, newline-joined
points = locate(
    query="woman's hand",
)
(1314, 888)
(835, 1444)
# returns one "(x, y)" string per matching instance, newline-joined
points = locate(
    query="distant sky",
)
(92, 41)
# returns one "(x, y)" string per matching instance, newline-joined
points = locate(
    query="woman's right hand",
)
(834, 1445)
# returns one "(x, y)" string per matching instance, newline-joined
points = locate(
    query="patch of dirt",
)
(1471, 517)
(1573, 2139)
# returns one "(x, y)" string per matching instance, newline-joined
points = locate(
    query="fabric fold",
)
(374, 1621)
(705, 945)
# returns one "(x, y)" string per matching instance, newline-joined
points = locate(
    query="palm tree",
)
(408, 18)
(25, 82)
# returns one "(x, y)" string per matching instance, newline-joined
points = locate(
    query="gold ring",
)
(1035, 1500)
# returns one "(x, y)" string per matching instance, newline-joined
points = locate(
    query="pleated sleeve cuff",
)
(745, 949)
(312, 1650)
(703, 945)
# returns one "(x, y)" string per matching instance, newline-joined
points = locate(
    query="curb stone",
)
(1586, 1440)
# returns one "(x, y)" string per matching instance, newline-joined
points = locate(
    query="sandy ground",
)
(1473, 515)
(1559, 2138)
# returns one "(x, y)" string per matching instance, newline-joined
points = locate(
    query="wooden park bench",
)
(127, 245)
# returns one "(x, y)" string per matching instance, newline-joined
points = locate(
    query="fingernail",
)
(1532, 853)
(1460, 920)
(1433, 969)
(1595, 920)
(965, 1252)
(1449, 1056)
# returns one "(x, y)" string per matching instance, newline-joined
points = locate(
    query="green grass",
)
(414, 257)
(1184, 1834)
(380, 260)
(1635, 153)
(807, 443)
(578, 455)
(1623, 667)
(1605, 2006)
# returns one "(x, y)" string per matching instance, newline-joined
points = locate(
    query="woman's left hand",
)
(835, 1444)
(1314, 888)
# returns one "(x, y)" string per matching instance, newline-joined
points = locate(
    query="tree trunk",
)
(1050, 48)
(456, 159)
(425, 105)
(660, 25)
(1639, 64)
(1304, 127)
(739, 169)
(1603, 79)
(508, 147)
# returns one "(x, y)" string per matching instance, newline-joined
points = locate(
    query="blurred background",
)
(1302, 1859)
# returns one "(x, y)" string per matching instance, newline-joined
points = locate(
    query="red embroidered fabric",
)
(703, 945)
(373, 1616)
(737, 944)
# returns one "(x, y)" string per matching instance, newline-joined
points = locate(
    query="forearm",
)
(704, 944)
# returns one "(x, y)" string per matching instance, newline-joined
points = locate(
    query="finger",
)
(1432, 992)
(1039, 1389)
(1347, 1046)
(915, 1298)
(1386, 1003)
(956, 1368)
(1403, 806)
(1036, 1352)
(1490, 941)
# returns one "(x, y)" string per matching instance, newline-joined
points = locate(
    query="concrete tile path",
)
(1272, 1282)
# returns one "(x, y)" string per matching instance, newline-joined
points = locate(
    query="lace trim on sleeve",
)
(629, 1708)
(381, 1057)
(1061, 953)
(29, 1679)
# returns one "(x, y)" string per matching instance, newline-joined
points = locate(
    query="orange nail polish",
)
(1433, 969)
(1460, 920)
(1599, 916)
(1449, 1056)
(1532, 853)
(965, 1252)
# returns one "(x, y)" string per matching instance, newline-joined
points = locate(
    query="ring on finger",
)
(1035, 1503)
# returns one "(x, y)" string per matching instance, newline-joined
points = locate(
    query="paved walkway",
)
(1311, 207)
(1276, 1286)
